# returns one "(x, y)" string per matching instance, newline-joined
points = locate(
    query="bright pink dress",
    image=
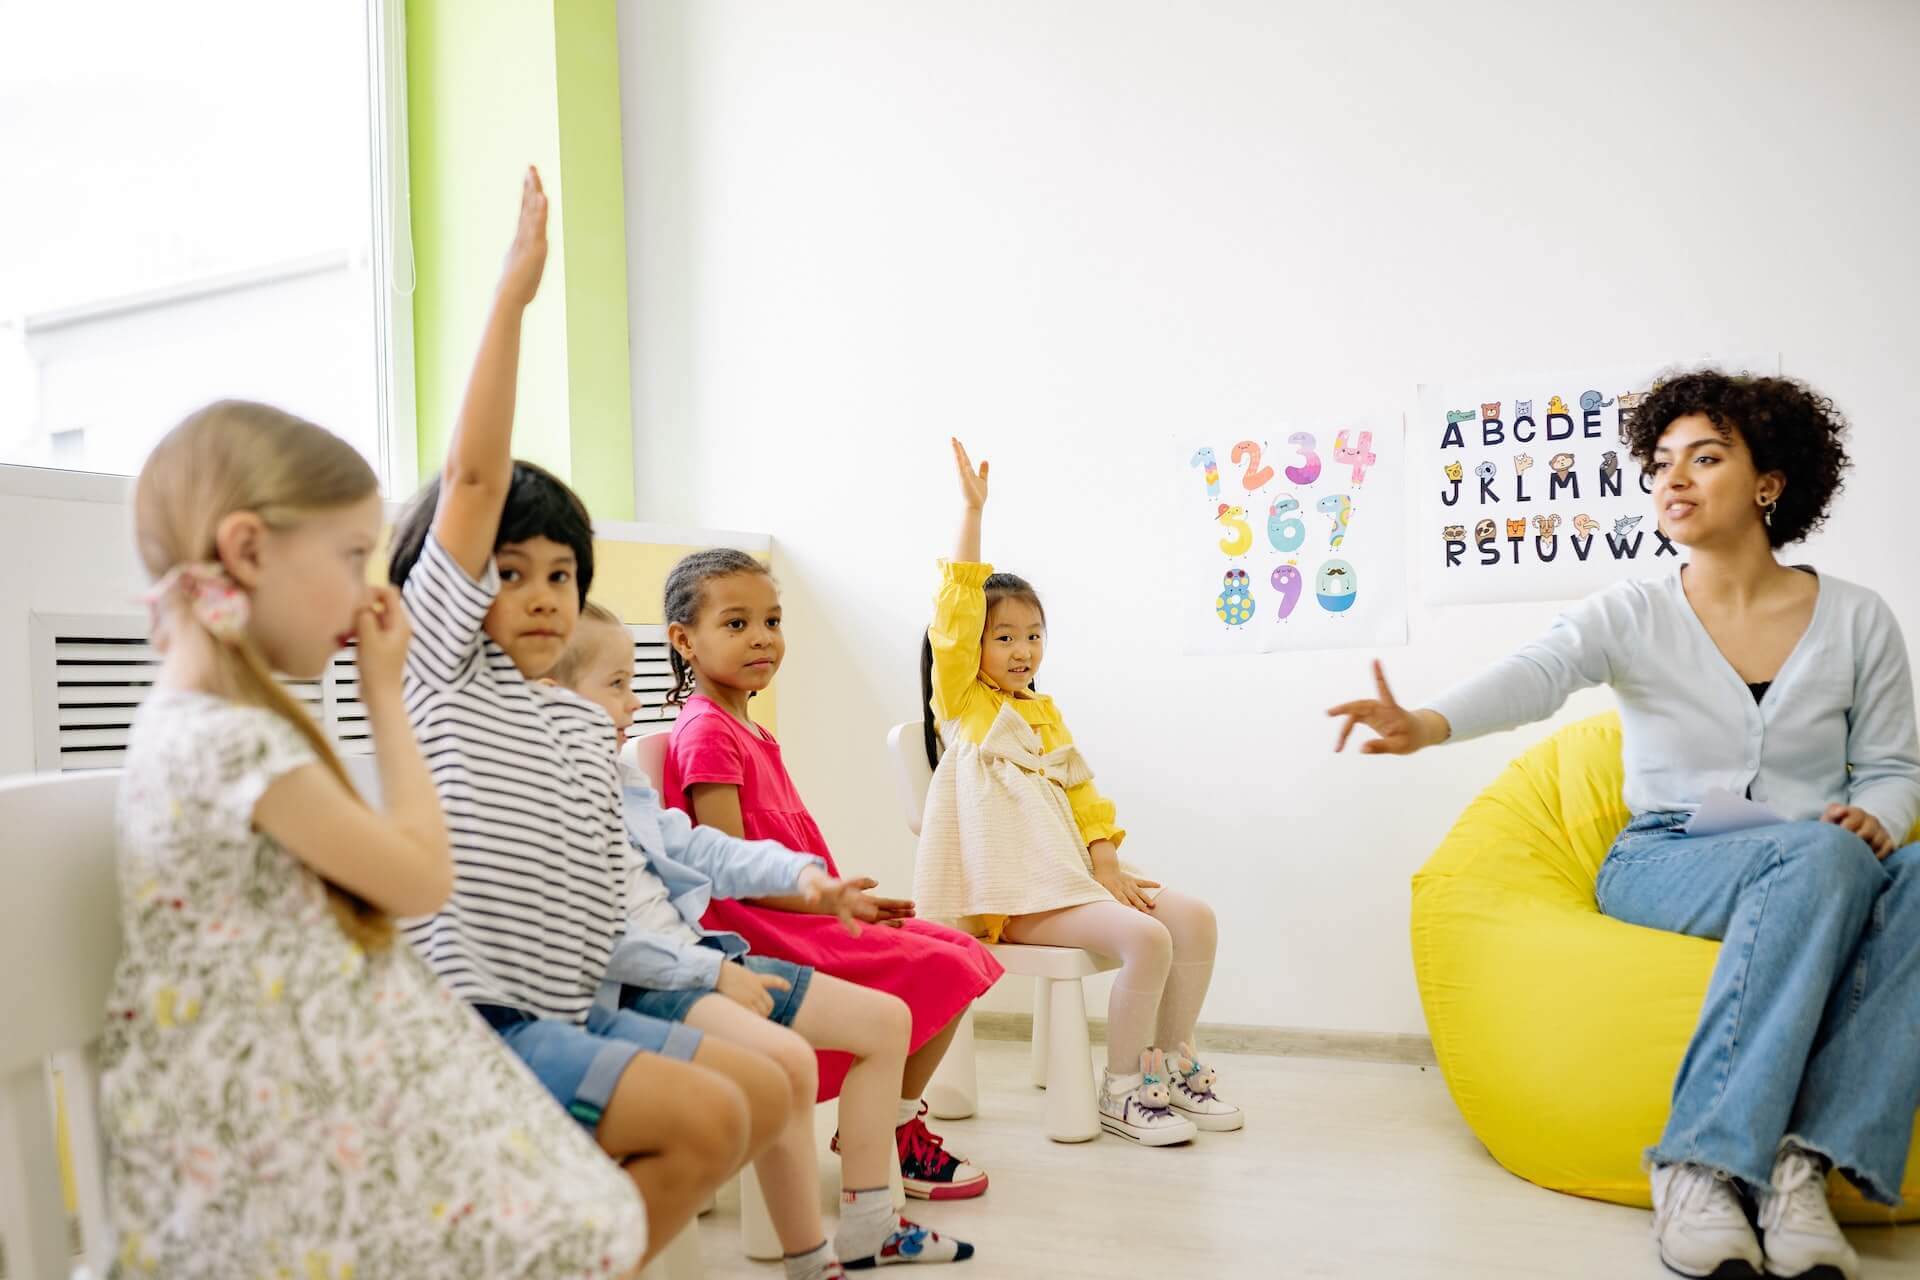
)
(938, 971)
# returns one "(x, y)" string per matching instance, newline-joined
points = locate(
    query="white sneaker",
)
(1802, 1238)
(1193, 1094)
(1139, 1108)
(1699, 1225)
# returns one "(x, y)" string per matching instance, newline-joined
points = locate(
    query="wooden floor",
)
(1344, 1169)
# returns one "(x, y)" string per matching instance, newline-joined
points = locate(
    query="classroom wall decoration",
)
(1526, 492)
(1293, 539)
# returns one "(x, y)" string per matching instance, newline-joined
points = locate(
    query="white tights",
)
(1166, 962)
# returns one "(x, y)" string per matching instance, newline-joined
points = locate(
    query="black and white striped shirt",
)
(527, 776)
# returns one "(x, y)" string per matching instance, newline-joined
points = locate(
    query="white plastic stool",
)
(1062, 1046)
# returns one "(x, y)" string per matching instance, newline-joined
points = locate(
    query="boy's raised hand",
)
(479, 467)
(973, 484)
(527, 256)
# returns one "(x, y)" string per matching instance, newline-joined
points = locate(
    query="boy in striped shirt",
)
(494, 560)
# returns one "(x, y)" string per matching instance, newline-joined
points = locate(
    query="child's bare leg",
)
(874, 1027)
(924, 1061)
(769, 1094)
(679, 1131)
(789, 1167)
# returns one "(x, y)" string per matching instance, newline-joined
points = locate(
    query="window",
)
(205, 199)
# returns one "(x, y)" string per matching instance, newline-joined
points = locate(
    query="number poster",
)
(1295, 540)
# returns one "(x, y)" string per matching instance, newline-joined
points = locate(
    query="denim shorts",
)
(674, 1005)
(580, 1065)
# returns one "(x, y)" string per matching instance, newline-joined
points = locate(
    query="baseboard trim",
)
(1222, 1037)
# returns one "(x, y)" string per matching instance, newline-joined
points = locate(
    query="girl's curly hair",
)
(1788, 427)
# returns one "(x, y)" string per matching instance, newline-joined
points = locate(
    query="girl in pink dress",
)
(723, 615)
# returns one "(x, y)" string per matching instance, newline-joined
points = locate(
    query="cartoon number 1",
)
(1359, 459)
(1309, 469)
(1205, 458)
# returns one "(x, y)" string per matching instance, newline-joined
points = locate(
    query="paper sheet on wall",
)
(1525, 490)
(1293, 540)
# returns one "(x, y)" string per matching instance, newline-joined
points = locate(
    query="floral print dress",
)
(280, 1103)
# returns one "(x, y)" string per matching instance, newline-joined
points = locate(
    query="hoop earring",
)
(1766, 511)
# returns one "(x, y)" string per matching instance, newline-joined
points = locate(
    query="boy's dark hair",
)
(1788, 427)
(999, 586)
(539, 505)
(686, 595)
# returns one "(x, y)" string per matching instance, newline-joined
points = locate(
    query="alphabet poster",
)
(1526, 492)
(1294, 539)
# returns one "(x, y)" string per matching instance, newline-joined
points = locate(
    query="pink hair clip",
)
(218, 602)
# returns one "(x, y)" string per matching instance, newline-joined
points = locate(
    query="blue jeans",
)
(674, 1006)
(1811, 1027)
(580, 1065)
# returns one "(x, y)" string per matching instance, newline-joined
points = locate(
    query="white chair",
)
(59, 942)
(1062, 1049)
(648, 754)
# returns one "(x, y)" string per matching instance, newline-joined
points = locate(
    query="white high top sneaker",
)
(1699, 1224)
(1194, 1096)
(1802, 1239)
(1139, 1108)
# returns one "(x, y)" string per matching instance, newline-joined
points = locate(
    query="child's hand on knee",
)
(1127, 890)
(748, 989)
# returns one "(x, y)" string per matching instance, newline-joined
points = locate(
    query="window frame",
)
(392, 274)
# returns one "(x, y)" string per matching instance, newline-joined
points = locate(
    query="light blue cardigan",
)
(1835, 727)
(697, 864)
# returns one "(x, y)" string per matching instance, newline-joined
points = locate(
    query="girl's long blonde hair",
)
(231, 456)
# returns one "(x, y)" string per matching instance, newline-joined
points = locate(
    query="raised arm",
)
(960, 605)
(479, 467)
(973, 495)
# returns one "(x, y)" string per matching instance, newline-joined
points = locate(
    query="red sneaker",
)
(928, 1171)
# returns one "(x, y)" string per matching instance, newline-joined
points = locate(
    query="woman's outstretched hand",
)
(1400, 732)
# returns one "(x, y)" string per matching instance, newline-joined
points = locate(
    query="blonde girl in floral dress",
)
(288, 1091)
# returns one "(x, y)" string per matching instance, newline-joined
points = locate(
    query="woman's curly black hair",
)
(1788, 426)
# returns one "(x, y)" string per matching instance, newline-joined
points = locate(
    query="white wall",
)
(62, 556)
(1067, 229)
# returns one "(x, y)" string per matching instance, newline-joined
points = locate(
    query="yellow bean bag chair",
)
(1559, 1030)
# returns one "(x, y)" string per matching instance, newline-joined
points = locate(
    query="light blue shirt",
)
(1835, 727)
(697, 864)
